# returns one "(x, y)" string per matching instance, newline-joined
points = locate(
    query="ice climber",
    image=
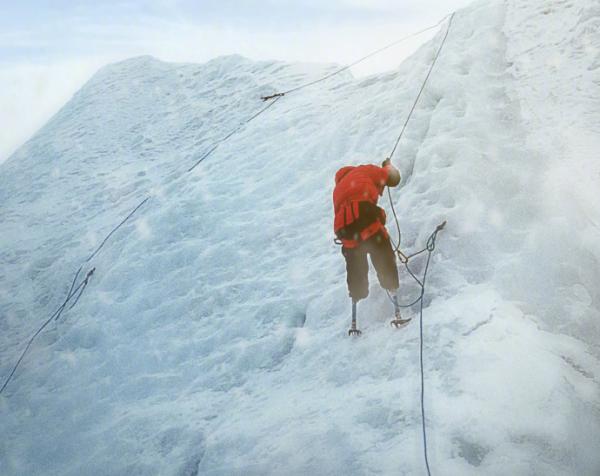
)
(359, 225)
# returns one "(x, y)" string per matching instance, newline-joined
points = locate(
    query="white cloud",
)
(31, 93)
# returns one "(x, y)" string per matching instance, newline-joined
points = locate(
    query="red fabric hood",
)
(340, 174)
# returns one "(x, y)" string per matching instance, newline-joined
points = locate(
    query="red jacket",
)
(364, 183)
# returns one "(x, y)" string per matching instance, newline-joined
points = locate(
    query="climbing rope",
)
(238, 128)
(54, 316)
(360, 60)
(412, 109)
(139, 205)
(277, 96)
(81, 287)
(410, 113)
(429, 248)
(404, 259)
(74, 293)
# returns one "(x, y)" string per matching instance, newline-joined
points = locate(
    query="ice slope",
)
(211, 339)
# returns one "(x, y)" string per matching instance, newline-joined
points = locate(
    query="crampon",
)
(398, 322)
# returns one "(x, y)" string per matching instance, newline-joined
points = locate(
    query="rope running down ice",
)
(276, 96)
(429, 248)
(408, 117)
(360, 60)
(81, 287)
(74, 293)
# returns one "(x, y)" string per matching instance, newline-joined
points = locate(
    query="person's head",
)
(393, 173)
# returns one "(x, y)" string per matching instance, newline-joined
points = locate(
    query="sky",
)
(50, 48)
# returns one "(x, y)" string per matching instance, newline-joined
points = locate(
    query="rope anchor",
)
(272, 96)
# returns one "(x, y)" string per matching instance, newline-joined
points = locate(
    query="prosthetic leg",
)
(397, 322)
(353, 331)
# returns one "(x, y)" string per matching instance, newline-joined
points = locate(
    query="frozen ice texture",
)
(212, 337)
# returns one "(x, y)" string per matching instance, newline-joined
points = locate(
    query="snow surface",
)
(212, 338)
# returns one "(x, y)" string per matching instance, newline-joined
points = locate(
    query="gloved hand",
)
(386, 162)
